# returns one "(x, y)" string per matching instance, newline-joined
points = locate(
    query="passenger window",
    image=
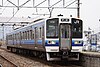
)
(36, 33)
(40, 32)
(25, 35)
(20, 36)
(43, 31)
(32, 34)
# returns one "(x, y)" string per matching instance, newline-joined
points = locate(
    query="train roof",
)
(35, 22)
(32, 23)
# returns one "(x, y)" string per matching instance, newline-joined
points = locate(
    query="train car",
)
(50, 38)
(93, 42)
(77, 35)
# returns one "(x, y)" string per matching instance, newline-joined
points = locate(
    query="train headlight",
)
(51, 42)
(76, 42)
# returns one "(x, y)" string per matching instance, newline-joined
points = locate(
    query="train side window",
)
(36, 33)
(43, 31)
(20, 36)
(11, 37)
(25, 35)
(15, 36)
(29, 35)
(40, 31)
(32, 34)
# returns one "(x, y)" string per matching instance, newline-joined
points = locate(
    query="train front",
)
(58, 38)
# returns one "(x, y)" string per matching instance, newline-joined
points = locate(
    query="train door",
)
(65, 36)
(43, 42)
(35, 37)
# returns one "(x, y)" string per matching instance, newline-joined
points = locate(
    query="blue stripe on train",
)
(73, 43)
(31, 42)
(93, 44)
(27, 42)
(39, 42)
(56, 44)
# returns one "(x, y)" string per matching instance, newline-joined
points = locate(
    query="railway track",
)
(20, 60)
(53, 63)
(4, 62)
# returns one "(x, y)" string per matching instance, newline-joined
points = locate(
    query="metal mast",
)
(78, 9)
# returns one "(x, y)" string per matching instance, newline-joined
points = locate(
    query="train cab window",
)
(52, 28)
(77, 28)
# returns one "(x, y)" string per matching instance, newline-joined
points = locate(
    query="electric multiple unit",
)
(50, 38)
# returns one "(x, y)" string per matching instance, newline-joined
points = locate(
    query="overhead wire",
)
(4, 7)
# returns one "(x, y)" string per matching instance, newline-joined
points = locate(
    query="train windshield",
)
(52, 28)
(77, 28)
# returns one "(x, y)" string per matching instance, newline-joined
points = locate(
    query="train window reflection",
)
(77, 28)
(52, 28)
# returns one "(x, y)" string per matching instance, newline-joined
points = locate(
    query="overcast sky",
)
(90, 13)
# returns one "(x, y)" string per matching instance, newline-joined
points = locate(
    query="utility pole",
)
(78, 9)
(3, 34)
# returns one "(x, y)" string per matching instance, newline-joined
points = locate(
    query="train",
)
(49, 38)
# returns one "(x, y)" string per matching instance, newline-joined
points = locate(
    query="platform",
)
(90, 59)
